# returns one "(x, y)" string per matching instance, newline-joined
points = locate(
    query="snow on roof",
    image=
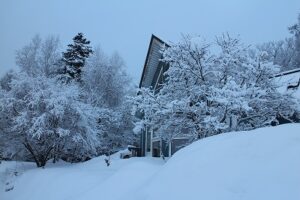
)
(289, 78)
(288, 72)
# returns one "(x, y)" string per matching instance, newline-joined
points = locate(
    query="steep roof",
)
(152, 61)
(288, 72)
(289, 78)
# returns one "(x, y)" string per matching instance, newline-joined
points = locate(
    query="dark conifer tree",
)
(75, 56)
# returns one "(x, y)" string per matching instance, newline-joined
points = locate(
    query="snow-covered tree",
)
(44, 118)
(6, 79)
(285, 53)
(51, 122)
(281, 53)
(105, 80)
(210, 93)
(262, 95)
(75, 56)
(106, 85)
(10, 145)
(116, 130)
(40, 57)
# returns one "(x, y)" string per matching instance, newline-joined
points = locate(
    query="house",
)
(289, 82)
(153, 77)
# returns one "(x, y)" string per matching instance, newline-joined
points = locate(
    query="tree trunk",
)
(29, 148)
(39, 158)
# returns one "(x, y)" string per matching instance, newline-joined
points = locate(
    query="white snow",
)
(289, 79)
(259, 164)
(89, 180)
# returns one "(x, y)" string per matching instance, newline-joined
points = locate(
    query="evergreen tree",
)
(75, 56)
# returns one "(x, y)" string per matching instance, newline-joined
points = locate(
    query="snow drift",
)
(259, 164)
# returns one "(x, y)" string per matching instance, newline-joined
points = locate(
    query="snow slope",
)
(259, 164)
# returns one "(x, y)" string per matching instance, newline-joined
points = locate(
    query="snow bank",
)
(260, 164)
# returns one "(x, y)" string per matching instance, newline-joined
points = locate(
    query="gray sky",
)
(126, 26)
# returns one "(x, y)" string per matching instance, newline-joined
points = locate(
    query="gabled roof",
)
(152, 60)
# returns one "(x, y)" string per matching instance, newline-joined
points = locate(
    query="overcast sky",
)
(126, 26)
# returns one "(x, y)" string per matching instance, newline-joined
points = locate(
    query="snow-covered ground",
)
(89, 180)
(260, 164)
